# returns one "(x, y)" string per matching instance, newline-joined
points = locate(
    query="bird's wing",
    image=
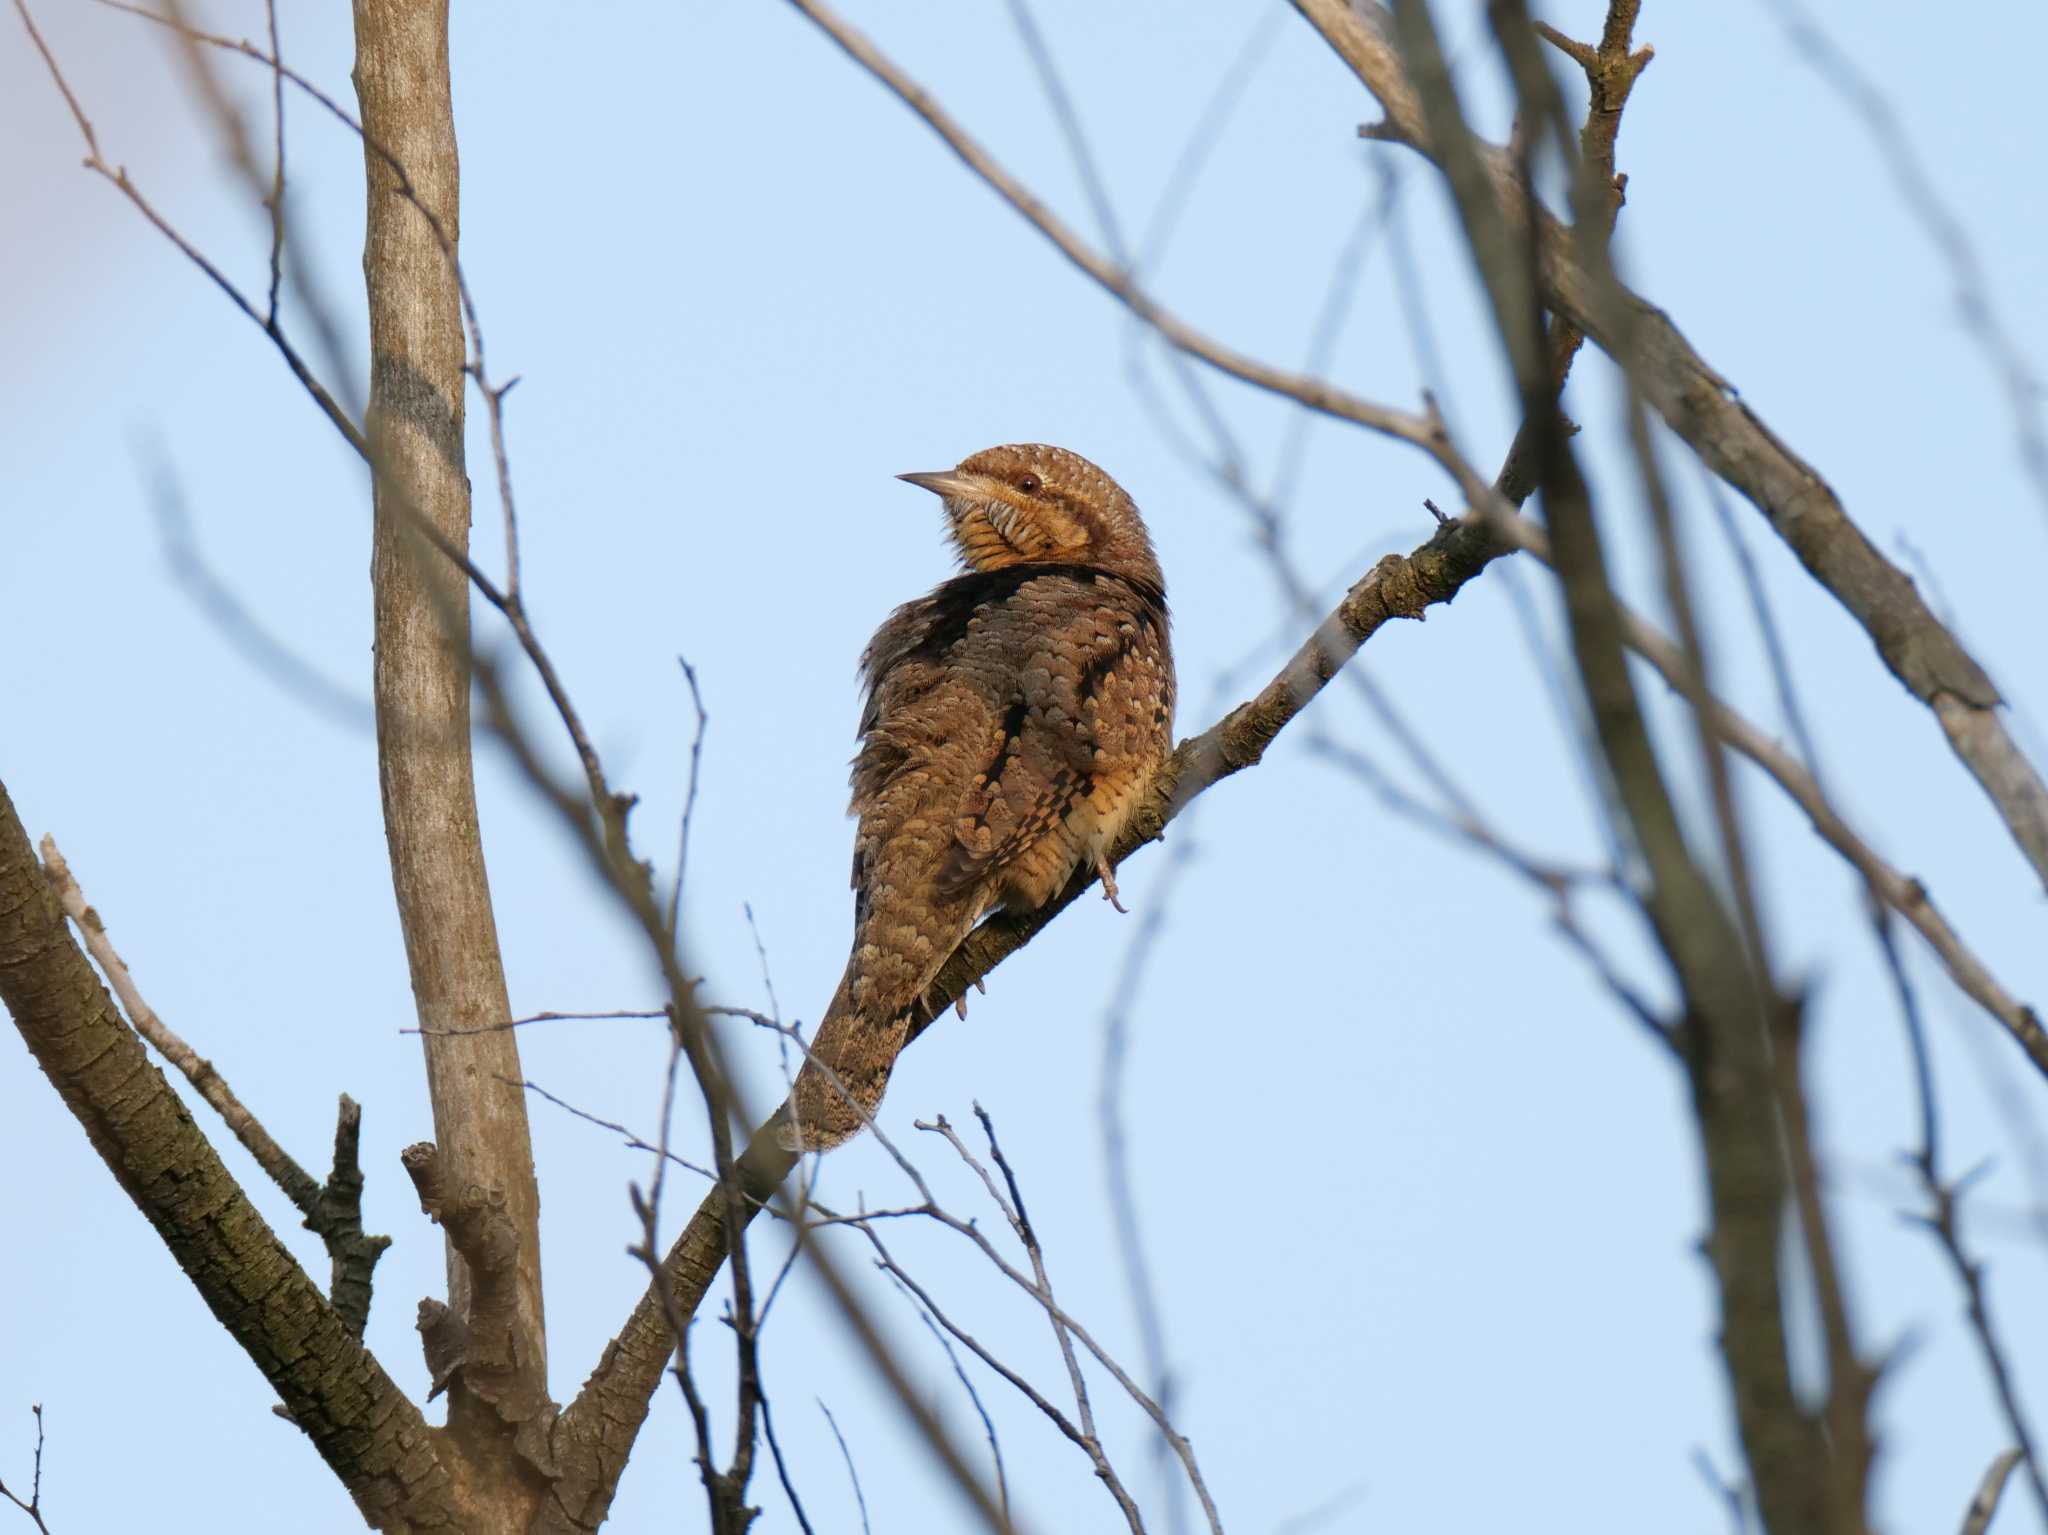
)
(981, 717)
(1040, 751)
(1034, 775)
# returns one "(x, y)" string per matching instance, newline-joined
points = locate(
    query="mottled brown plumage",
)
(1014, 718)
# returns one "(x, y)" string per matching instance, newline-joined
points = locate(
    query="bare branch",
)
(1970, 284)
(1323, 1513)
(1041, 1292)
(675, 898)
(1558, 882)
(995, 1445)
(1741, 1035)
(224, 607)
(1116, 1159)
(1943, 1222)
(333, 1210)
(1088, 1444)
(1708, 412)
(853, 1475)
(1977, 1517)
(1904, 894)
(276, 160)
(610, 808)
(355, 1415)
(1020, 1222)
(725, 1491)
(1316, 394)
(34, 1506)
(1735, 1499)
(633, 1141)
(796, 1504)
(1207, 132)
(298, 1185)
(118, 176)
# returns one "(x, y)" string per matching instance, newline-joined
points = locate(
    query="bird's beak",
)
(940, 482)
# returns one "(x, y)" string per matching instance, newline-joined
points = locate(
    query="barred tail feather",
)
(842, 1081)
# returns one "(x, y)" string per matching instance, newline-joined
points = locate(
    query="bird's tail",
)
(842, 1081)
(857, 1043)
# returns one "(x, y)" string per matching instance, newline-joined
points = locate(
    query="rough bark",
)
(359, 1421)
(422, 686)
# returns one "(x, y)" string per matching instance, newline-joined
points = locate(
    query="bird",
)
(1013, 720)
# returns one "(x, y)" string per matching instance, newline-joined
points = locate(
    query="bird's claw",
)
(960, 1002)
(1102, 872)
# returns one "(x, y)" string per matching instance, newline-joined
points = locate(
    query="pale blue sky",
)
(743, 288)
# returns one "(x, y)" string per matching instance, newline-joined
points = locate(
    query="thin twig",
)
(332, 1210)
(1316, 394)
(1558, 882)
(1730, 1496)
(727, 1500)
(1177, 192)
(1902, 893)
(768, 985)
(700, 1416)
(1087, 1443)
(1020, 1221)
(1943, 1221)
(1035, 1287)
(276, 161)
(520, 1023)
(1970, 284)
(633, 1142)
(1232, 466)
(796, 1504)
(118, 176)
(852, 1473)
(609, 807)
(34, 1506)
(675, 898)
(1116, 1157)
(995, 1445)
(225, 609)
(1311, 1519)
(1977, 1517)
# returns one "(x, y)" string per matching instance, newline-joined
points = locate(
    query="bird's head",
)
(1029, 504)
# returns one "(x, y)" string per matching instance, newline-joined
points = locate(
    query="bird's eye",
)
(1029, 484)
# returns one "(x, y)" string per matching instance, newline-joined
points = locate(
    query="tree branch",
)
(1901, 892)
(333, 1210)
(1977, 1517)
(118, 176)
(1424, 431)
(1741, 1034)
(358, 1419)
(1708, 413)
(33, 1506)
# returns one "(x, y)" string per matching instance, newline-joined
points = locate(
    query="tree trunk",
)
(479, 1179)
